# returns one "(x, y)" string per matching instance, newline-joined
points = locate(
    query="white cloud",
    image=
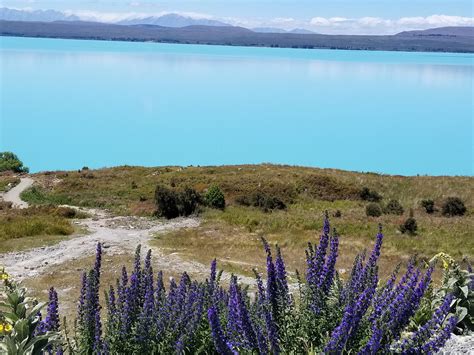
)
(377, 25)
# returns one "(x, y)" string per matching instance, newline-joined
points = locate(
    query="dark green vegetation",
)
(10, 162)
(214, 198)
(172, 203)
(235, 36)
(453, 206)
(306, 193)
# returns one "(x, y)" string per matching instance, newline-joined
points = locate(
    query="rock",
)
(458, 344)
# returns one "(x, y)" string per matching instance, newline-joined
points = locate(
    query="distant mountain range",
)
(441, 31)
(174, 20)
(280, 30)
(238, 36)
(36, 15)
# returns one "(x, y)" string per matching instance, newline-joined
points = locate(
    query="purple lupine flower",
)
(441, 338)
(52, 316)
(272, 288)
(317, 259)
(98, 260)
(144, 331)
(218, 337)
(281, 279)
(327, 276)
(234, 324)
(350, 320)
(373, 345)
(418, 338)
(97, 345)
(82, 296)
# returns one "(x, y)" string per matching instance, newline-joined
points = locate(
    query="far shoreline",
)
(235, 37)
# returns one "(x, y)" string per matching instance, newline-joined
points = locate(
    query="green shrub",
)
(370, 195)
(373, 210)
(338, 214)
(453, 206)
(428, 205)
(261, 200)
(409, 226)
(188, 201)
(10, 162)
(393, 207)
(215, 198)
(172, 203)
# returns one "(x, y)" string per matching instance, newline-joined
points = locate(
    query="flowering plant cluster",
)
(319, 314)
(322, 315)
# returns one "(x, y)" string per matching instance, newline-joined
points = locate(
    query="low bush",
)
(393, 207)
(215, 197)
(10, 162)
(409, 226)
(172, 203)
(5, 205)
(327, 188)
(370, 195)
(373, 210)
(325, 314)
(261, 200)
(453, 206)
(428, 205)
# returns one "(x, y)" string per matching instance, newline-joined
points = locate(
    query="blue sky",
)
(330, 16)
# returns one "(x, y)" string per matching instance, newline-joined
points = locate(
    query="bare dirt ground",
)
(13, 195)
(119, 235)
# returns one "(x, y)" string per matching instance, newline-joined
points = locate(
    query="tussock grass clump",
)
(34, 221)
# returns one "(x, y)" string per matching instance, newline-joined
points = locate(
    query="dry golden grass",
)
(7, 181)
(129, 190)
(35, 226)
(233, 236)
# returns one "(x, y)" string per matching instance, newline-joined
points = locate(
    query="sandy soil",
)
(13, 195)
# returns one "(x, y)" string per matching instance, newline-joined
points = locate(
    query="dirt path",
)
(13, 195)
(118, 235)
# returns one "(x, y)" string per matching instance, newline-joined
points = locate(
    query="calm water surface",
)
(66, 104)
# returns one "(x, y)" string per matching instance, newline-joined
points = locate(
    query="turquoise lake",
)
(66, 104)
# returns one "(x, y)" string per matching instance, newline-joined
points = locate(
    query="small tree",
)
(394, 207)
(409, 226)
(166, 202)
(428, 205)
(373, 210)
(370, 195)
(215, 198)
(10, 162)
(453, 206)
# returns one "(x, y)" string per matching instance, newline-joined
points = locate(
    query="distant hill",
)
(172, 20)
(233, 36)
(441, 31)
(280, 30)
(35, 15)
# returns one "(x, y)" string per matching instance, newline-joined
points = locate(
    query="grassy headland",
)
(233, 235)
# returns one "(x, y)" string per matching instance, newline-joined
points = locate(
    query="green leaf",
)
(461, 312)
(465, 290)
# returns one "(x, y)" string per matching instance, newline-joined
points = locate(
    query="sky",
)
(324, 16)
